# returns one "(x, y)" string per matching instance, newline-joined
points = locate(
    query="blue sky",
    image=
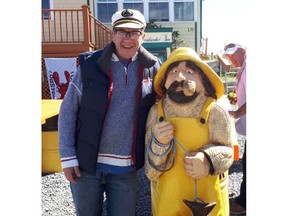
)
(224, 22)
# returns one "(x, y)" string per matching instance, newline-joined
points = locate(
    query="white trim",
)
(51, 3)
(69, 163)
(76, 87)
(115, 160)
(171, 11)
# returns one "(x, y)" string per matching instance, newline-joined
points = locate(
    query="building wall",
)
(71, 4)
(187, 30)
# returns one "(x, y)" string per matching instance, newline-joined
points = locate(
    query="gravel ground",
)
(57, 199)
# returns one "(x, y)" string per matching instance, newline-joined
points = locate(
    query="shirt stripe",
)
(115, 160)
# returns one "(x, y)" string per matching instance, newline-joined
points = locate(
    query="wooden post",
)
(86, 25)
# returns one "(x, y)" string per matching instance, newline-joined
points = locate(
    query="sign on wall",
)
(158, 37)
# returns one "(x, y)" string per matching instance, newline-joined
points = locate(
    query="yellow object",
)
(223, 178)
(50, 156)
(182, 54)
(174, 185)
(50, 108)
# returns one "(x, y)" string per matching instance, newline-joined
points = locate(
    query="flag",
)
(60, 72)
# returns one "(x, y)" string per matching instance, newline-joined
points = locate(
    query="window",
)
(158, 11)
(106, 8)
(47, 4)
(184, 11)
(135, 6)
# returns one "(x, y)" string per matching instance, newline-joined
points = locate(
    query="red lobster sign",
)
(61, 87)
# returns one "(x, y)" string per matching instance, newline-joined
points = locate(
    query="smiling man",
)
(102, 119)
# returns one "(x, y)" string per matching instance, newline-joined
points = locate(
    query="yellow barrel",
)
(50, 156)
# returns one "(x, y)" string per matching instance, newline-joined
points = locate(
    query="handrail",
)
(52, 23)
(74, 26)
(100, 34)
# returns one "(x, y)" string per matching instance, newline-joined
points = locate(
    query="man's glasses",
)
(123, 34)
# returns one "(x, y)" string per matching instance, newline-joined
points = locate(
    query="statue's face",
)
(183, 84)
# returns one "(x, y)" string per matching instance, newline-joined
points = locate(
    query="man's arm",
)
(67, 127)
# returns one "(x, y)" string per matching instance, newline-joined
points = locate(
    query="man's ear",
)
(143, 37)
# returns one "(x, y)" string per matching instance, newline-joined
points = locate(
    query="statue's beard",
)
(179, 96)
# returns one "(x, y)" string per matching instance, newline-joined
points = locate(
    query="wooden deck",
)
(72, 31)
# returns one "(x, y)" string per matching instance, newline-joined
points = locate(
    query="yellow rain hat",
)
(186, 53)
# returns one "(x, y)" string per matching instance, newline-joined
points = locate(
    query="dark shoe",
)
(237, 209)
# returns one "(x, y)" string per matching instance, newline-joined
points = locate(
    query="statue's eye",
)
(175, 71)
(189, 72)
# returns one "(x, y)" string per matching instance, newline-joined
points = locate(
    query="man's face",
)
(127, 42)
(237, 58)
(179, 79)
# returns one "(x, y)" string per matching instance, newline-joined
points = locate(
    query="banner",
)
(60, 72)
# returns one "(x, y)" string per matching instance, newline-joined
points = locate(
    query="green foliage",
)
(176, 39)
(230, 77)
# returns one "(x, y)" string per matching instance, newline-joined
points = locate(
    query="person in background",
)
(102, 120)
(237, 56)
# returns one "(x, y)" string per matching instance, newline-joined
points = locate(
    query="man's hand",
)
(72, 173)
(163, 132)
(197, 165)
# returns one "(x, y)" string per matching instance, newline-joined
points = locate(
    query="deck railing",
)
(62, 27)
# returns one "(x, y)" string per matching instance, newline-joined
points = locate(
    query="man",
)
(237, 56)
(102, 119)
(189, 138)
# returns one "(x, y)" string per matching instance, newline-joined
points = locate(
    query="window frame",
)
(159, 2)
(184, 1)
(140, 2)
(51, 6)
(105, 2)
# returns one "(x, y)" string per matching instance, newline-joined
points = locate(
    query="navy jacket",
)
(97, 80)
